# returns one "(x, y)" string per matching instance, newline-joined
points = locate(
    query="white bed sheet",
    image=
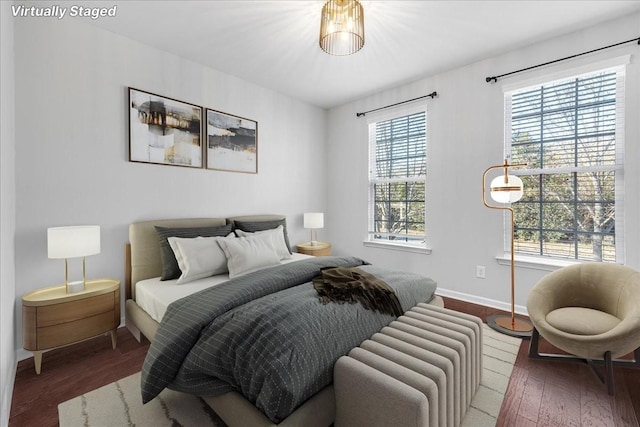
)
(154, 295)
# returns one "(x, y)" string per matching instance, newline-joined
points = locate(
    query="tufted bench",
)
(421, 370)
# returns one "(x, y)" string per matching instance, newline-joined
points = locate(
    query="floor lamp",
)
(506, 189)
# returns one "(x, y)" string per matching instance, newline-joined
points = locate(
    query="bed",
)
(147, 303)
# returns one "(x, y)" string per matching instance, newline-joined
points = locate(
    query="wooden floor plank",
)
(631, 378)
(523, 422)
(508, 415)
(622, 404)
(595, 403)
(530, 406)
(560, 404)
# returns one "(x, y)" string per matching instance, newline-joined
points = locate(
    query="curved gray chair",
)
(590, 310)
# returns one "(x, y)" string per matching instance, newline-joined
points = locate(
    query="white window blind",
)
(397, 178)
(570, 134)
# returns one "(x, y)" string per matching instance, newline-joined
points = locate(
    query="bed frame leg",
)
(133, 329)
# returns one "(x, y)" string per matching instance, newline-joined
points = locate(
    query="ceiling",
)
(274, 44)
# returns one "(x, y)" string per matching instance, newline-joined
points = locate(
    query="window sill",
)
(398, 247)
(536, 263)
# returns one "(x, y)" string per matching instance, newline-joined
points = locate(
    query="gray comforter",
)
(266, 335)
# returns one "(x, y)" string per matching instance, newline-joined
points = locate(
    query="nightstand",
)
(53, 318)
(320, 249)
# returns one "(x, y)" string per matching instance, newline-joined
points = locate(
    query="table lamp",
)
(73, 242)
(313, 220)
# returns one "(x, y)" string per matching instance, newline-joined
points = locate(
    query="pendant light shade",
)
(342, 27)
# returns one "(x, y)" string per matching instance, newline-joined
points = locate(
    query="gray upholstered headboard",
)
(143, 255)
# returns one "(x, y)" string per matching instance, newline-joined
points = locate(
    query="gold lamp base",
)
(503, 323)
(74, 287)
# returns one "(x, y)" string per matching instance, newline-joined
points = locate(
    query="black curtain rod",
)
(495, 78)
(431, 95)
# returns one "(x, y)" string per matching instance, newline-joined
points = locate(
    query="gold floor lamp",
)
(506, 189)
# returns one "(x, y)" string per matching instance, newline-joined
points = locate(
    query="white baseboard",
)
(481, 301)
(23, 354)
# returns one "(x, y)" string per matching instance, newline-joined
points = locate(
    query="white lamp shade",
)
(73, 242)
(506, 192)
(313, 220)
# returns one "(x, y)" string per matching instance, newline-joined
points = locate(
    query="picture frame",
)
(232, 142)
(164, 130)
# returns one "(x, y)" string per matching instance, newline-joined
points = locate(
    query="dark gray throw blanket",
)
(266, 335)
(351, 285)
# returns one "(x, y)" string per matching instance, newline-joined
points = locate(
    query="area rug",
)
(499, 356)
(119, 403)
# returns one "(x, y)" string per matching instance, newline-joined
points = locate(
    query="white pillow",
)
(277, 237)
(249, 254)
(198, 257)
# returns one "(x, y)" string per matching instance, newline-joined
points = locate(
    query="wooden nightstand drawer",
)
(74, 310)
(69, 332)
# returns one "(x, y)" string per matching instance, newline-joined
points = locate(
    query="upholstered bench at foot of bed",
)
(421, 370)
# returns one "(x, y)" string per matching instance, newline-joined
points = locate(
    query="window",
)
(569, 133)
(397, 176)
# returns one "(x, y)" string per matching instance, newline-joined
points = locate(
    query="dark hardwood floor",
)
(559, 393)
(540, 393)
(68, 372)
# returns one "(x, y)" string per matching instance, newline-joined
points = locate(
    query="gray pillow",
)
(253, 226)
(170, 269)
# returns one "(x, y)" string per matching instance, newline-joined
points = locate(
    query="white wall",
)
(465, 135)
(7, 214)
(72, 146)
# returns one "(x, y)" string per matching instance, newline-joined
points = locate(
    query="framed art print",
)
(164, 130)
(232, 142)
